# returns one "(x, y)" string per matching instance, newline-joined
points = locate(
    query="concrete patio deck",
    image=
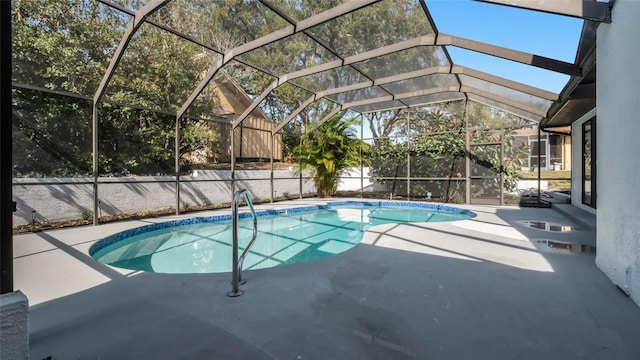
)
(485, 288)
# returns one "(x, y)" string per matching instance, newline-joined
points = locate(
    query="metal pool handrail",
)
(236, 277)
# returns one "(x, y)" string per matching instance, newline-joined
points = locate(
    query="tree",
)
(64, 46)
(382, 124)
(328, 152)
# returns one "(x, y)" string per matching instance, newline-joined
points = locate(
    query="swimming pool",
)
(285, 236)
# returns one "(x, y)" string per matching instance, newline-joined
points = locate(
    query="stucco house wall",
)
(618, 148)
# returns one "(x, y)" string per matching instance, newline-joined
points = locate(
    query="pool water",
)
(284, 237)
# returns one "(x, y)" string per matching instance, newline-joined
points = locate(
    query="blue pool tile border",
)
(404, 204)
(117, 237)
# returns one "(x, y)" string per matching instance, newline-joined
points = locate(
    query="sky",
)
(549, 35)
(533, 32)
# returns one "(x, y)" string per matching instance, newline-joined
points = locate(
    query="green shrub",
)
(86, 215)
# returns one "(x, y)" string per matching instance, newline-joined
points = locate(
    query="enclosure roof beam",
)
(419, 104)
(426, 40)
(385, 50)
(300, 26)
(505, 101)
(442, 39)
(256, 102)
(503, 107)
(443, 69)
(183, 36)
(198, 90)
(490, 100)
(368, 101)
(385, 80)
(367, 55)
(162, 27)
(430, 91)
(434, 26)
(502, 103)
(456, 69)
(509, 54)
(295, 113)
(359, 86)
(406, 95)
(147, 10)
(534, 91)
(269, 38)
(327, 117)
(582, 9)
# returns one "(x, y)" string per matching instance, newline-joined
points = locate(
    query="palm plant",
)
(328, 152)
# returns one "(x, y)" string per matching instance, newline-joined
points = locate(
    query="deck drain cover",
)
(557, 245)
(568, 247)
(543, 225)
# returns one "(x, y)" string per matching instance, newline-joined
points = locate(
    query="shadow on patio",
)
(422, 291)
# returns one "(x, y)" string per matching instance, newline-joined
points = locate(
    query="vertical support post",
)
(467, 148)
(408, 156)
(547, 152)
(6, 205)
(361, 161)
(235, 273)
(300, 167)
(94, 141)
(272, 150)
(233, 161)
(177, 165)
(501, 167)
(564, 155)
(240, 141)
(539, 164)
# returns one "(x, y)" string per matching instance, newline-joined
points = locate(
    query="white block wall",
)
(67, 201)
(618, 147)
(350, 181)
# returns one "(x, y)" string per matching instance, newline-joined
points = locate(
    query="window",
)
(589, 163)
(538, 150)
(555, 152)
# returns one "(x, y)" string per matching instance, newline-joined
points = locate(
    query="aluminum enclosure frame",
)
(440, 41)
